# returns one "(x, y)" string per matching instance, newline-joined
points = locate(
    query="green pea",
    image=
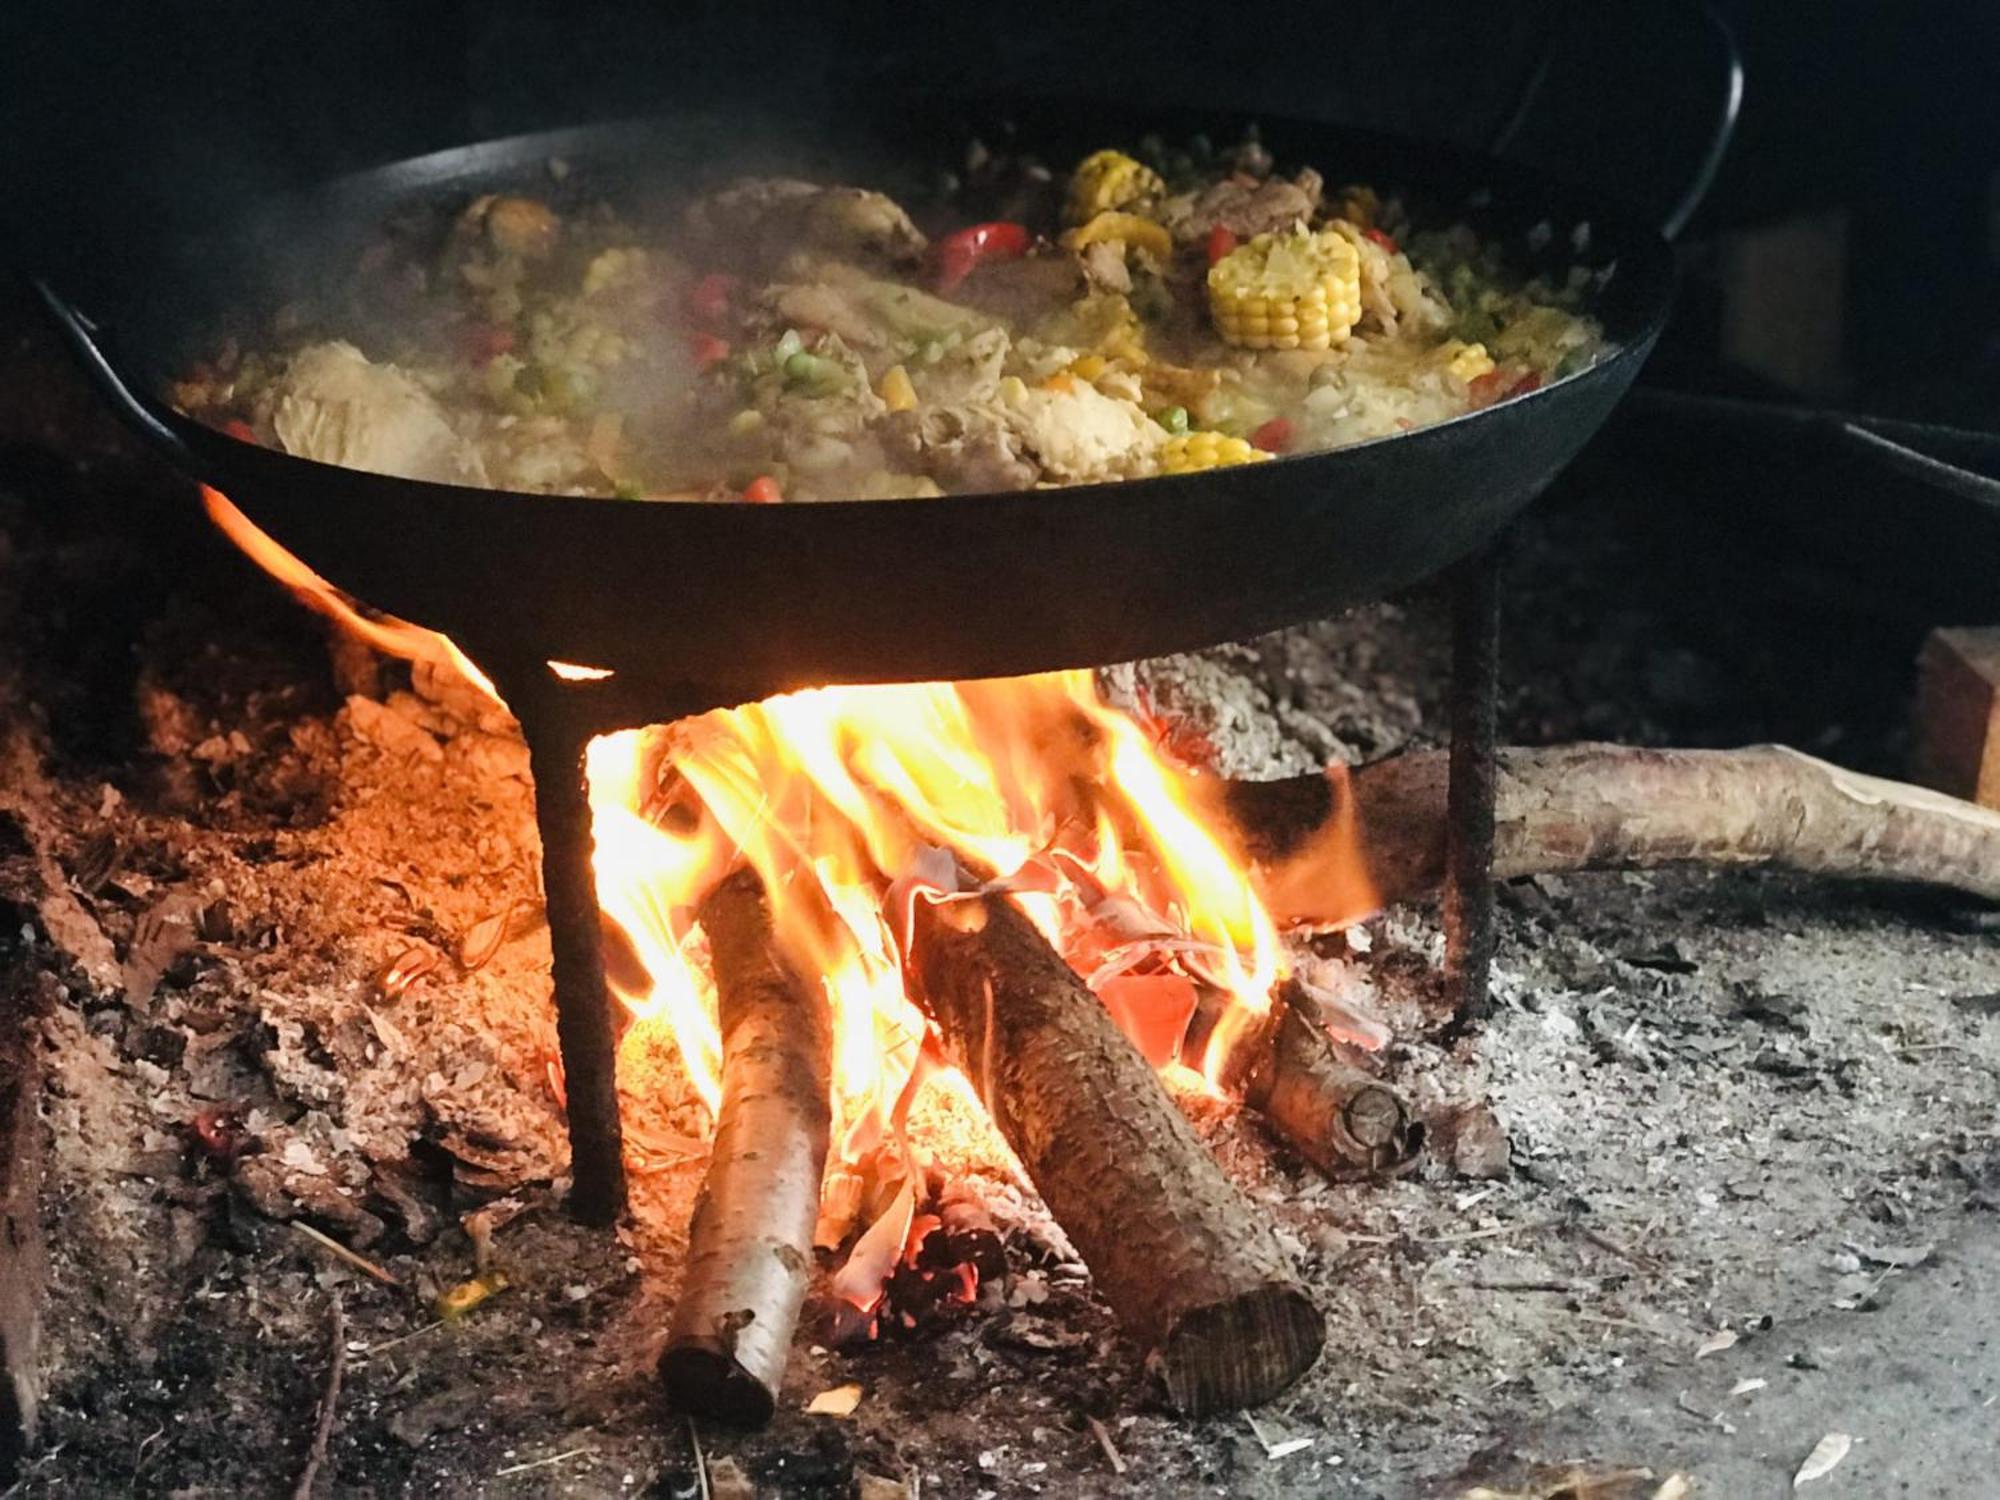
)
(1174, 419)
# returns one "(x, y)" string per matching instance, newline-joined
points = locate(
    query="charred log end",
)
(1339, 1118)
(1240, 1352)
(1273, 819)
(703, 1378)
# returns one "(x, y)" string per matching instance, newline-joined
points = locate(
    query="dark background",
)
(1796, 577)
(117, 116)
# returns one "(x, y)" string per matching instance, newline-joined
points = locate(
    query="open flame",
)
(851, 803)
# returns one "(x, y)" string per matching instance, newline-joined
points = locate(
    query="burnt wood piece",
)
(1958, 715)
(1592, 806)
(1340, 1118)
(586, 1028)
(1468, 836)
(750, 1242)
(1185, 1261)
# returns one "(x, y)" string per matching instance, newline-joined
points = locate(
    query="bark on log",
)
(1343, 1120)
(750, 1242)
(1183, 1259)
(1330, 848)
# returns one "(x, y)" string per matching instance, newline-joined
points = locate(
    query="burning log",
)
(1580, 807)
(1176, 1250)
(1340, 1118)
(750, 1243)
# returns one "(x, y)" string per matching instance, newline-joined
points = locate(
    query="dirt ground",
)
(1755, 1157)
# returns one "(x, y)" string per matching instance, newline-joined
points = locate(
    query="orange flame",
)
(849, 802)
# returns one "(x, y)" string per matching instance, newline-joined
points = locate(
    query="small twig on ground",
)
(541, 1463)
(1605, 1242)
(354, 1258)
(1111, 1453)
(700, 1460)
(1567, 1288)
(402, 1338)
(336, 1367)
(1491, 1233)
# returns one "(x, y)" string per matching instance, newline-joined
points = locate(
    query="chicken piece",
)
(1243, 205)
(335, 406)
(1081, 436)
(535, 454)
(971, 448)
(820, 427)
(968, 371)
(867, 312)
(764, 219)
(1104, 267)
(1073, 436)
(1022, 291)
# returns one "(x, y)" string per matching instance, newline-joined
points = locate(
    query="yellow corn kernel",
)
(1062, 383)
(1192, 452)
(1089, 366)
(1287, 291)
(1114, 224)
(1467, 361)
(1013, 389)
(1109, 179)
(896, 391)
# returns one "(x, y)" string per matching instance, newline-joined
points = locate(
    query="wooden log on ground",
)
(750, 1242)
(1330, 848)
(1185, 1261)
(1340, 1118)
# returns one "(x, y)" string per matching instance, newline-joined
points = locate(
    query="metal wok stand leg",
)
(559, 719)
(1474, 714)
(586, 1027)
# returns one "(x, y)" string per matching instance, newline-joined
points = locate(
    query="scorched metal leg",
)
(1475, 688)
(585, 1026)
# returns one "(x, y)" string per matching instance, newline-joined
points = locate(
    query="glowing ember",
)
(851, 803)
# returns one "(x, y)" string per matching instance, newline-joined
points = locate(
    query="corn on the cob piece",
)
(1191, 452)
(1467, 361)
(1115, 224)
(1287, 291)
(896, 391)
(1109, 179)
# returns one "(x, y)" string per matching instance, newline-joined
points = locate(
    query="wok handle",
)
(1701, 52)
(87, 341)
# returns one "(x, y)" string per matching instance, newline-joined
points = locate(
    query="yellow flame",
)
(835, 795)
(386, 633)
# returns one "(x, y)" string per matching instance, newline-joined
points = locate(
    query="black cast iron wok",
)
(769, 597)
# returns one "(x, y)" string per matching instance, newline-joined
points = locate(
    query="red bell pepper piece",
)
(241, 430)
(485, 342)
(763, 490)
(708, 299)
(1275, 436)
(1386, 241)
(709, 350)
(1221, 240)
(977, 245)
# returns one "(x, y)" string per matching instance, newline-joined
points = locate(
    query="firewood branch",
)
(1330, 848)
(750, 1242)
(1185, 1261)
